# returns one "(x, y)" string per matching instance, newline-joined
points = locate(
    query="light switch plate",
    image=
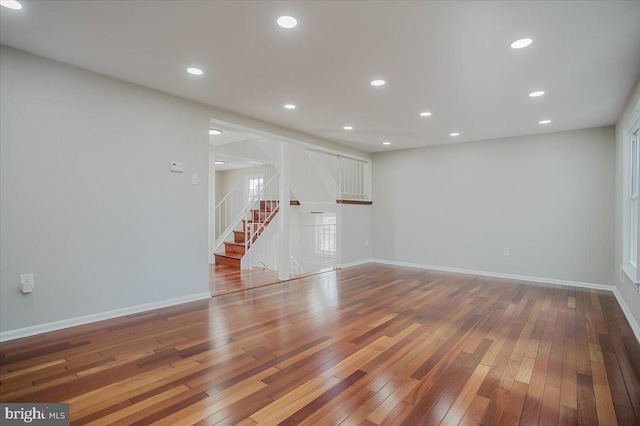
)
(26, 283)
(195, 179)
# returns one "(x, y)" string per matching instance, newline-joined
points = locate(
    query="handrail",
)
(233, 207)
(223, 236)
(229, 193)
(265, 210)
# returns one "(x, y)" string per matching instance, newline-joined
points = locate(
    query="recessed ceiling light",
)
(523, 42)
(11, 4)
(536, 93)
(425, 114)
(348, 127)
(215, 132)
(454, 134)
(218, 162)
(378, 83)
(386, 143)
(544, 121)
(287, 22)
(195, 71)
(290, 106)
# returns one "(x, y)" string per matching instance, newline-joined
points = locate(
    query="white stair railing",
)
(263, 208)
(230, 211)
(296, 267)
(313, 248)
(354, 179)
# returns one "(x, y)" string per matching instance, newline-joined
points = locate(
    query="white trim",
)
(632, 124)
(630, 272)
(87, 319)
(627, 313)
(356, 263)
(499, 275)
(212, 207)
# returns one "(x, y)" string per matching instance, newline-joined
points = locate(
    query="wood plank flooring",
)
(366, 345)
(225, 279)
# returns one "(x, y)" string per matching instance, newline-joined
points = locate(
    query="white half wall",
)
(305, 183)
(547, 198)
(88, 203)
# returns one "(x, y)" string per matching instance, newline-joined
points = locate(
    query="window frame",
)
(631, 186)
(634, 165)
(327, 244)
(254, 190)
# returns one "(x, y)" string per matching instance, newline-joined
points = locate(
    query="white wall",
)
(219, 186)
(226, 180)
(87, 202)
(624, 285)
(355, 223)
(230, 178)
(548, 198)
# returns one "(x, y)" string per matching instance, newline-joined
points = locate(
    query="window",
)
(633, 199)
(255, 187)
(327, 237)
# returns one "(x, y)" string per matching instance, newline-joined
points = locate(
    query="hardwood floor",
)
(225, 279)
(366, 345)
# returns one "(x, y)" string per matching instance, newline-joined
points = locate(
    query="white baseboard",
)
(498, 275)
(86, 319)
(627, 312)
(356, 263)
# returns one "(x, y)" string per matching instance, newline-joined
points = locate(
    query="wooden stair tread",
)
(235, 250)
(233, 243)
(230, 255)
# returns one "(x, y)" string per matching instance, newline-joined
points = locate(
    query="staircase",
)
(251, 228)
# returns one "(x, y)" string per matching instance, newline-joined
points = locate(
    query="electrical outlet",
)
(506, 251)
(26, 283)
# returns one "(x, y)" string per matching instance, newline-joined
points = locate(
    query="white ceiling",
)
(450, 58)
